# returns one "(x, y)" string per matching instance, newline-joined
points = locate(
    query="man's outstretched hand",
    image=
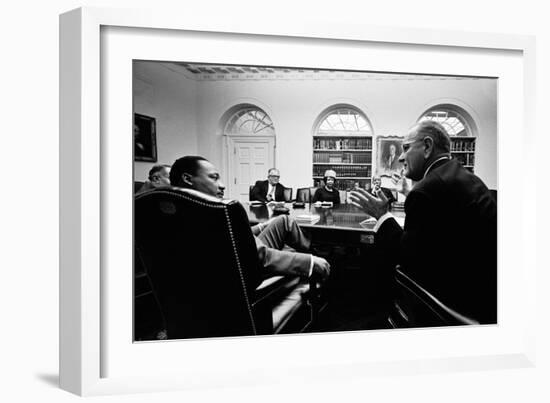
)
(370, 204)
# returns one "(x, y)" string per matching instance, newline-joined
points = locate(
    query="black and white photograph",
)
(256, 218)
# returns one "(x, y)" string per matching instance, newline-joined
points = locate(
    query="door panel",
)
(251, 160)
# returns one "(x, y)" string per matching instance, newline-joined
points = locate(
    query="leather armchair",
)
(415, 306)
(201, 257)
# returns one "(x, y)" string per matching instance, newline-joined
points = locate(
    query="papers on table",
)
(325, 204)
(307, 218)
(256, 203)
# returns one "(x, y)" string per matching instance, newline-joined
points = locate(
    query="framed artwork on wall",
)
(389, 149)
(145, 138)
(97, 350)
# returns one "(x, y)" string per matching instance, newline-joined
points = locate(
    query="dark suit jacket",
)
(387, 192)
(449, 242)
(259, 191)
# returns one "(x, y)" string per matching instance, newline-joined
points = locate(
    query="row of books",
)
(345, 184)
(346, 158)
(463, 145)
(343, 170)
(342, 144)
(465, 159)
(366, 144)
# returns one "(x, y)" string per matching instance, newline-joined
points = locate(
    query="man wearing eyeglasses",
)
(449, 242)
(269, 190)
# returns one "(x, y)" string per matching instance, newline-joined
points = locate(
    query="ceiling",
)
(214, 72)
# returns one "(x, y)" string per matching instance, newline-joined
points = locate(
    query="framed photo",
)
(389, 149)
(145, 138)
(97, 352)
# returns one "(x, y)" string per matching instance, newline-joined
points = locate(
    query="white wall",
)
(171, 99)
(391, 105)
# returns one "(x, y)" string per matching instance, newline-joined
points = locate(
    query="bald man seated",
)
(269, 190)
(449, 241)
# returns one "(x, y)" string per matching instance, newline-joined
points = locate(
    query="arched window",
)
(457, 124)
(345, 121)
(452, 121)
(342, 142)
(249, 121)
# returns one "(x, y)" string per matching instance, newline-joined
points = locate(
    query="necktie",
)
(270, 194)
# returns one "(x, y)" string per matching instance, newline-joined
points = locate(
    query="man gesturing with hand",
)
(449, 241)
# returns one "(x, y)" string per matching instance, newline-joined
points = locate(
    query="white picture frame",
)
(96, 359)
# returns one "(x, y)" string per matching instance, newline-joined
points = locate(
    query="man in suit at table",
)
(376, 188)
(270, 189)
(195, 172)
(449, 241)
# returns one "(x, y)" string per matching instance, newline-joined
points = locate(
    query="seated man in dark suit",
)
(270, 189)
(377, 187)
(197, 173)
(159, 176)
(449, 241)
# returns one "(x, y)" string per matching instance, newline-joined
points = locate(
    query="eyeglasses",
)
(274, 176)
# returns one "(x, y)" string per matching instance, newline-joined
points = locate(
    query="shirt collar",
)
(445, 157)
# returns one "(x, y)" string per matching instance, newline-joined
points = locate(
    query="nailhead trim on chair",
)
(223, 206)
(186, 197)
(240, 271)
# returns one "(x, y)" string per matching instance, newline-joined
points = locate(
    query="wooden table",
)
(344, 223)
(357, 287)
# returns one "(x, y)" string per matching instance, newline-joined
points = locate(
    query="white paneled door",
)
(249, 160)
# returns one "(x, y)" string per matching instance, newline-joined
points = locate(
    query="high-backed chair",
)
(287, 194)
(250, 192)
(417, 307)
(305, 195)
(201, 257)
(137, 185)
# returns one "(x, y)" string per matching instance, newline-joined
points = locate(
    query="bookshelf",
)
(463, 150)
(349, 156)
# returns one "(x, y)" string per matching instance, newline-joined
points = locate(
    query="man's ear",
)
(428, 146)
(186, 178)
